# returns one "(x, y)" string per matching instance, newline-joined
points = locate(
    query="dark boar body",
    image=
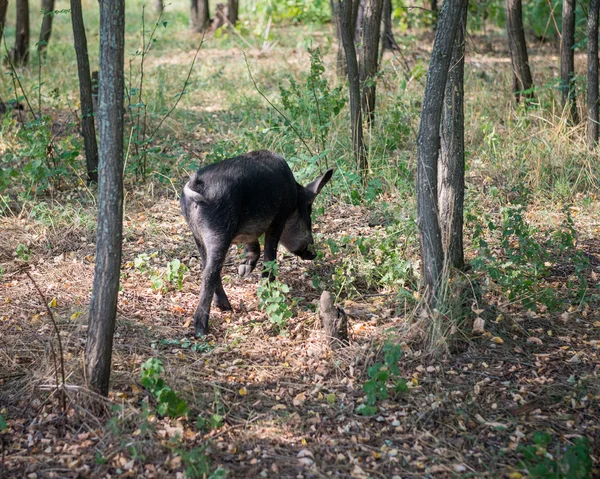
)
(236, 201)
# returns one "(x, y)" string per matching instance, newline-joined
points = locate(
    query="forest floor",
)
(507, 399)
(287, 402)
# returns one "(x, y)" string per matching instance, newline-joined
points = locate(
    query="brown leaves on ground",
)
(287, 402)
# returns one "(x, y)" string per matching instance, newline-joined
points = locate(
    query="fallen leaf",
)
(478, 325)
(299, 399)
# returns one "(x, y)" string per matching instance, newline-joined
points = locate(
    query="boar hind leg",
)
(220, 298)
(211, 287)
(249, 263)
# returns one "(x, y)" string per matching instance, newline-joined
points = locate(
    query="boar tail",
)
(189, 192)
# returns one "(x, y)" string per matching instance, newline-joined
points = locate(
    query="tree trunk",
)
(103, 307)
(369, 56)
(522, 82)
(21, 51)
(389, 42)
(358, 10)
(233, 9)
(592, 74)
(200, 15)
(358, 143)
(88, 129)
(3, 8)
(159, 6)
(340, 64)
(567, 61)
(46, 30)
(451, 193)
(428, 145)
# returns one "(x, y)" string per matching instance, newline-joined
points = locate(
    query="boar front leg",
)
(271, 242)
(252, 255)
(220, 298)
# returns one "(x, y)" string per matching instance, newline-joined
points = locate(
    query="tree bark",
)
(88, 129)
(389, 42)
(3, 8)
(592, 74)
(428, 145)
(369, 56)
(340, 64)
(21, 51)
(522, 81)
(358, 143)
(46, 30)
(103, 307)
(233, 9)
(159, 6)
(200, 15)
(567, 61)
(451, 192)
(358, 8)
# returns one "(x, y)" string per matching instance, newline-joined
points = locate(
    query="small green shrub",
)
(523, 257)
(383, 377)
(22, 252)
(175, 272)
(312, 106)
(572, 462)
(271, 295)
(168, 402)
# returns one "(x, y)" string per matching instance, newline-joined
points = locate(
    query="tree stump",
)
(334, 321)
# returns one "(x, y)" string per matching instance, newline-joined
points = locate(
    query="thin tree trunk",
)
(567, 60)
(360, 153)
(522, 81)
(103, 307)
(21, 50)
(389, 42)
(358, 11)
(428, 143)
(88, 129)
(159, 6)
(46, 30)
(233, 9)
(3, 8)
(369, 56)
(451, 193)
(200, 15)
(592, 74)
(340, 65)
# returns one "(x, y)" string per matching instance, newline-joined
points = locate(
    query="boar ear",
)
(316, 186)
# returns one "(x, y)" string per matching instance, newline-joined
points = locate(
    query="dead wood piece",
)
(334, 321)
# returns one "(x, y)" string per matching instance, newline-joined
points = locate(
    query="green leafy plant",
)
(3, 423)
(22, 252)
(271, 295)
(168, 402)
(572, 462)
(524, 255)
(313, 105)
(383, 377)
(197, 464)
(175, 272)
(186, 343)
(214, 421)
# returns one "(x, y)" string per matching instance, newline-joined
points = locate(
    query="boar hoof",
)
(200, 331)
(244, 270)
(222, 304)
